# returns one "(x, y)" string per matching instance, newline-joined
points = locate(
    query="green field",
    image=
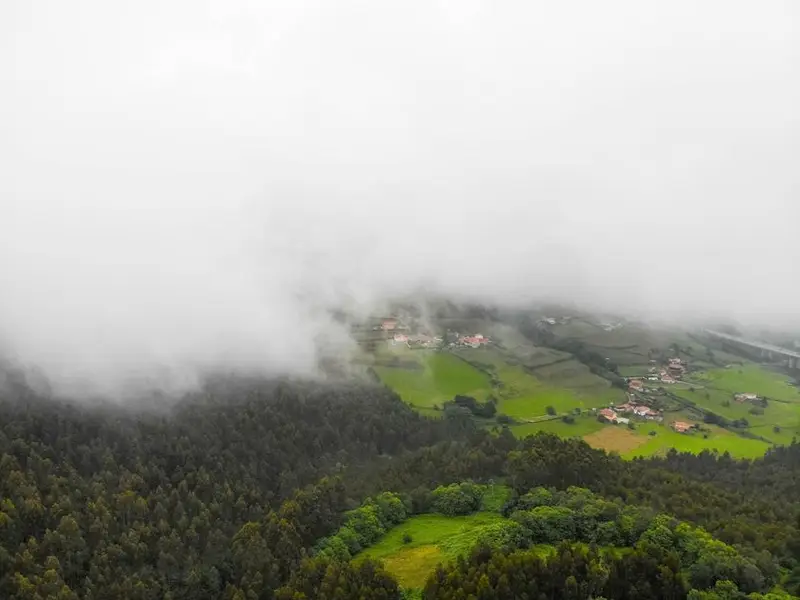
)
(434, 539)
(438, 378)
(719, 440)
(523, 396)
(425, 379)
(714, 390)
(632, 443)
(751, 378)
(583, 426)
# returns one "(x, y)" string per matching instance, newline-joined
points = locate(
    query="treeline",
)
(104, 502)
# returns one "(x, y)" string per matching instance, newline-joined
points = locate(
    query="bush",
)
(458, 498)
(568, 419)
(551, 411)
(364, 525)
(407, 539)
(504, 419)
(653, 433)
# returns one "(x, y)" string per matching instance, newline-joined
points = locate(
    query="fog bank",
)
(192, 185)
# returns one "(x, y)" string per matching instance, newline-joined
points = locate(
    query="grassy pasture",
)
(719, 439)
(750, 378)
(714, 390)
(632, 443)
(583, 426)
(434, 539)
(440, 377)
(524, 396)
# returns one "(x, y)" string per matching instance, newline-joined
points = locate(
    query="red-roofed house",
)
(636, 385)
(680, 426)
(474, 340)
(609, 415)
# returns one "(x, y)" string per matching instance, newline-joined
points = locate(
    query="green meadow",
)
(713, 390)
(438, 377)
(718, 439)
(434, 539)
(583, 426)
(638, 442)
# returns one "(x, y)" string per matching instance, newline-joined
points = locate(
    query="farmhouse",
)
(473, 340)
(623, 420)
(400, 338)
(608, 415)
(389, 324)
(746, 397)
(680, 426)
(636, 385)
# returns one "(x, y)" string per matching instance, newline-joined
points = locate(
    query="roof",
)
(608, 413)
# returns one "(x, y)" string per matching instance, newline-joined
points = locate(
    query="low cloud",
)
(189, 187)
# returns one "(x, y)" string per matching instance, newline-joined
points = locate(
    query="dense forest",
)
(228, 494)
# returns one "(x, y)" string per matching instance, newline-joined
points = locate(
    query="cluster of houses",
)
(400, 334)
(419, 340)
(612, 414)
(670, 374)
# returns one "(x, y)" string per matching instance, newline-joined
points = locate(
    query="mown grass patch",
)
(615, 438)
(434, 539)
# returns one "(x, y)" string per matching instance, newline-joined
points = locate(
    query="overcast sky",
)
(186, 182)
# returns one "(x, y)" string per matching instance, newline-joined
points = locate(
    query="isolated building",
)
(681, 426)
(746, 397)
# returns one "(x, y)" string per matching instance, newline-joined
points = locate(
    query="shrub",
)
(457, 498)
(551, 411)
(504, 419)
(407, 539)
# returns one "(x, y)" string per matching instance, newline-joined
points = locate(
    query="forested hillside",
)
(227, 494)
